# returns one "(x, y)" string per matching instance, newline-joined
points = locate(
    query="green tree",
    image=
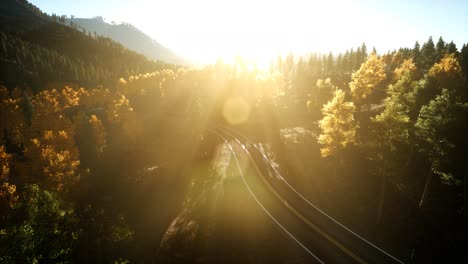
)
(464, 59)
(416, 54)
(39, 229)
(439, 127)
(440, 49)
(363, 52)
(428, 54)
(451, 48)
(391, 127)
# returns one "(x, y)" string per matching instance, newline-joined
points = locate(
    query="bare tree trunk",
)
(427, 187)
(383, 187)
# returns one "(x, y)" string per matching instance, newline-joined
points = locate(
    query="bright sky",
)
(204, 30)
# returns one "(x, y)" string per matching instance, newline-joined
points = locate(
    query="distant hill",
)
(129, 36)
(19, 16)
(37, 49)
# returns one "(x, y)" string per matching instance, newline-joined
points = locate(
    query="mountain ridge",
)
(37, 49)
(129, 36)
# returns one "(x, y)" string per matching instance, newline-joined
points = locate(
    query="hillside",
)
(37, 49)
(20, 16)
(130, 37)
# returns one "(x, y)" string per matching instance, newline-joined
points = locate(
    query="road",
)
(323, 238)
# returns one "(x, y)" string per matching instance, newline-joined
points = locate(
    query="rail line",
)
(261, 205)
(304, 219)
(278, 174)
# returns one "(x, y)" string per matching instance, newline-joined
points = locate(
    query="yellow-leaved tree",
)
(51, 149)
(338, 125)
(445, 74)
(365, 80)
(8, 194)
(55, 159)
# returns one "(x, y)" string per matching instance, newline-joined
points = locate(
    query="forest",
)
(107, 157)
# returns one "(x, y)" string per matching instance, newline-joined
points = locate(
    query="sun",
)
(260, 31)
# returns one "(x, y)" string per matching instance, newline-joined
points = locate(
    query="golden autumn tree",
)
(51, 147)
(448, 74)
(365, 80)
(406, 67)
(448, 67)
(98, 133)
(393, 122)
(55, 159)
(123, 117)
(338, 125)
(445, 74)
(8, 194)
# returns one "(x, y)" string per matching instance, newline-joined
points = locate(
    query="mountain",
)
(129, 36)
(37, 49)
(20, 16)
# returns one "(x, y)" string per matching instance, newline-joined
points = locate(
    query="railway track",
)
(322, 237)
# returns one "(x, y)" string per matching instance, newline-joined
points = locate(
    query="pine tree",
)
(363, 52)
(452, 48)
(464, 59)
(428, 54)
(440, 49)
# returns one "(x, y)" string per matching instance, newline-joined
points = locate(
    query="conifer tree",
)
(440, 49)
(416, 55)
(428, 54)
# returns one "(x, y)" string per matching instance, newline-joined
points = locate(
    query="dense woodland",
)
(37, 50)
(98, 144)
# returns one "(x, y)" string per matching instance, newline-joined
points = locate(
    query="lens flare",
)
(236, 110)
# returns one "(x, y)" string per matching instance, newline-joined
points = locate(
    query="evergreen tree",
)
(428, 54)
(416, 54)
(464, 59)
(363, 52)
(440, 49)
(452, 48)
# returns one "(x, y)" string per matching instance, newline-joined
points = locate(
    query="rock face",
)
(130, 37)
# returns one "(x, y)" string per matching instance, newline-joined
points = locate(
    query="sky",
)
(205, 30)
